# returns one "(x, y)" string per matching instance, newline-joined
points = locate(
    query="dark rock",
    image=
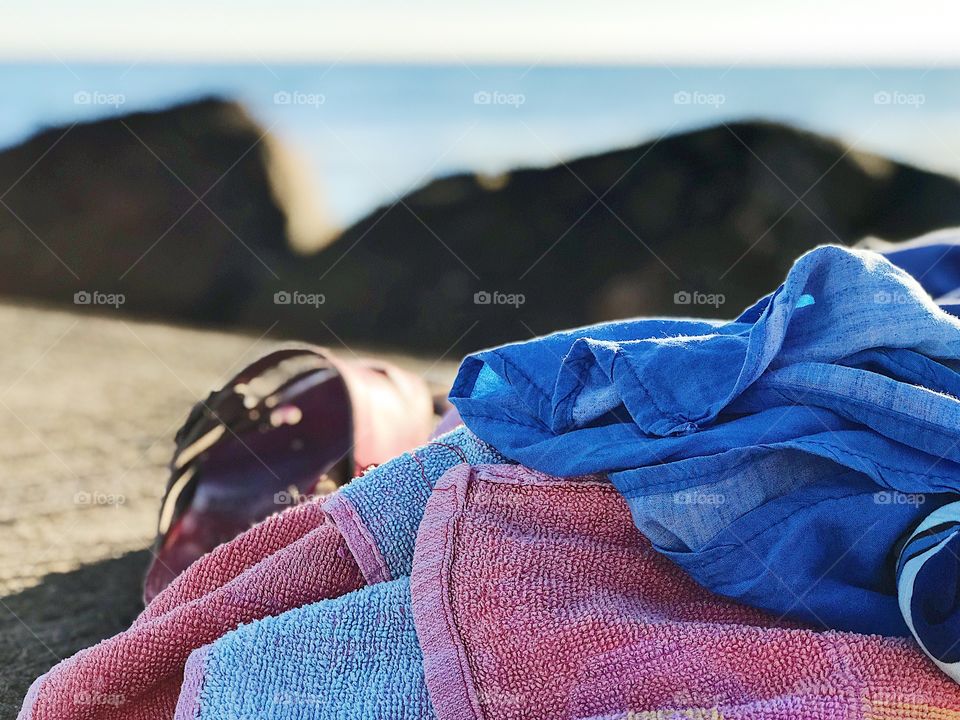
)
(720, 211)
(112, 207)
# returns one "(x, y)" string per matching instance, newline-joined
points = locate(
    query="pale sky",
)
(851, 32)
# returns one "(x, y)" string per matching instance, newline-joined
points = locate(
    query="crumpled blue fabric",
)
(780, 458)
(933, 260)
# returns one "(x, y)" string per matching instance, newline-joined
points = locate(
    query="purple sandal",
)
(296, 423)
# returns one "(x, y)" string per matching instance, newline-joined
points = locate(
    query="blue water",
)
(367, 133)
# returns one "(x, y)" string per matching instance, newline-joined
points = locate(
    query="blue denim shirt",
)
(781, 458)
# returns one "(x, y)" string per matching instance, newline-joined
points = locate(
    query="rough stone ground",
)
(88, 408)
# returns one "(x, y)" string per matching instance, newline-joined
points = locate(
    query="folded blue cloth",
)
(779, 458)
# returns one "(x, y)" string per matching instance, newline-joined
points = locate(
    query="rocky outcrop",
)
(700, 223)
(181, 211)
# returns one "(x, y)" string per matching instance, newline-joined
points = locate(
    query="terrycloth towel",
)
(353, 658)
(136, 675)
(289, 560)
(535, 597)
(379, 513)
(778, 458)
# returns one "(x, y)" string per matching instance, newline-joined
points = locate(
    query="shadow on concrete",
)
(65, 613)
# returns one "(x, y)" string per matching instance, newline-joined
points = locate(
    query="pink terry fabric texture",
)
(537, 597)
(290, 560)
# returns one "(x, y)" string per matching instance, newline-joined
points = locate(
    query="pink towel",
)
(537, 597)
(287, 561)
(306, 554)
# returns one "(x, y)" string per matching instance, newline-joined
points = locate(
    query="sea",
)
(367, 133)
